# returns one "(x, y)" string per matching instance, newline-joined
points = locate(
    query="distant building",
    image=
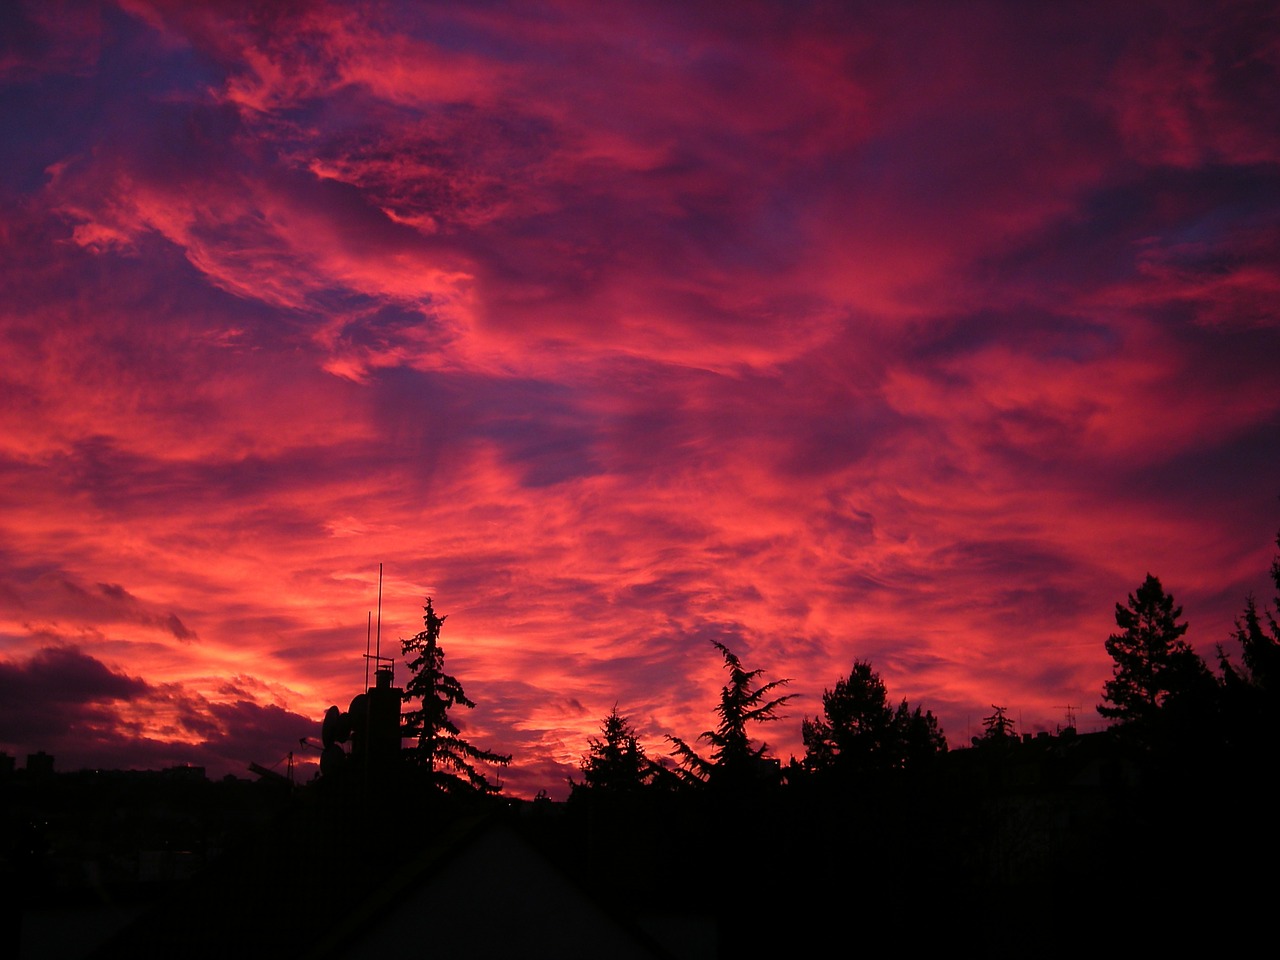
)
(39, 764)
(185, 773)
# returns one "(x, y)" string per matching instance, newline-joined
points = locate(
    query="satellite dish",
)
(332, 761)
(357, 712)
(336, 727)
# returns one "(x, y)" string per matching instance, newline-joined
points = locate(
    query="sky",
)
(916, 333)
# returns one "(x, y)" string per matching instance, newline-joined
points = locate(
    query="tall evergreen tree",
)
(616, 762)
(735, 761)
(856, 726)
(448, 759)
(1252, 696)
(997, 728)
(1260, 647)
(917, 737)
(1156, 677)
(859, 733)
(1259, 644)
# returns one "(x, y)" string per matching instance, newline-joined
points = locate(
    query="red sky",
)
(916, 333)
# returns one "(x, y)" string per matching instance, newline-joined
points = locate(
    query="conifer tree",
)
(1156, 675)
(440, 750)
(997, 728)
(1260, 645)
(735, 760)
(917, 737)
(1251, 697)
(616, 762)
(856, 726)
(859, 733)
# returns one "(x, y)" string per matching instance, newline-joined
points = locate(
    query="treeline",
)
(858, 734)
(879, 836)
(1166, 705)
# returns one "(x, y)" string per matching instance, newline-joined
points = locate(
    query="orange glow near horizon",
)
(841, 333)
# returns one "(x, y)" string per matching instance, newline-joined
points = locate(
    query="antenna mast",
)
(376, 638)
(378, 651)
(368, 639)
(1071, 715)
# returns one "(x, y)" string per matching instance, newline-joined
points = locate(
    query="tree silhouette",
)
(859, 733)
(734, 761)
(616, 762)
(1260, 647)
(1156, 676)
(440, 750)
(1251, 698)
(997, 728)
(917, 737)
(856, 728)
(1259, 644)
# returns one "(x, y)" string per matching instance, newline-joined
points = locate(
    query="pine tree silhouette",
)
(449, 760)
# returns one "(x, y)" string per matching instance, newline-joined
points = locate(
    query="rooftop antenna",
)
(1071, 715)
(377, 656)
(378, 659)
(368, 637)
(378, 651)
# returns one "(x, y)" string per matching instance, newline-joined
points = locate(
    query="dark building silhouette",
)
(39, 764)
(371, 723)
